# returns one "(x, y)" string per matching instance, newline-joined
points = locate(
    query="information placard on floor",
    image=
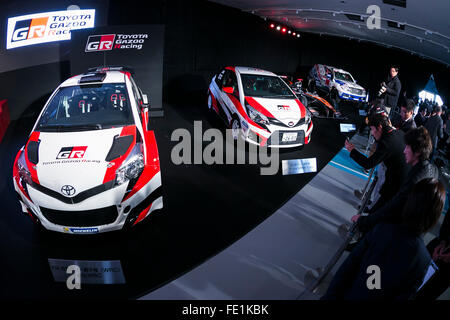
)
(347, 127)
(297, 166)
(92, 272)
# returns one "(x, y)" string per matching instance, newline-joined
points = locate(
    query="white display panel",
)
(47, 27)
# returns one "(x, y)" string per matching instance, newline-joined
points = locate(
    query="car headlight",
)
(307, 115)
(132, 166)
(22, 167)
(256, 116)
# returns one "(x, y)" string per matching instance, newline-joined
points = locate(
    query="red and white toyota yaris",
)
(90, 164)
(259, 106)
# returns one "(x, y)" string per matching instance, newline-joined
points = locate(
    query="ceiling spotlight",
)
(293, 33)
(272, 25)
(73, 7)
(298, 35)
(283, 30)
(289, 31)
(278, 28)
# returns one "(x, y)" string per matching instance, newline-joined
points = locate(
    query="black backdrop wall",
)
(201, 37)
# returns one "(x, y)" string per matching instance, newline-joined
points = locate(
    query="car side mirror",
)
(229, 90)
(144, 100)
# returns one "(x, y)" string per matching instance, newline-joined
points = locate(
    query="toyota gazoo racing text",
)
(90, 164)
(260, 107)
(337, 83)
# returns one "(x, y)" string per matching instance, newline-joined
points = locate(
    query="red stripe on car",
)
(258, 107)
(17, 177)
(143, 214)
(32, 167)
(242, 112)
(151, 168)
(116, 163)
(302, 108)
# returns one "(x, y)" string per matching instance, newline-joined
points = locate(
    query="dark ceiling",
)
(417, 26)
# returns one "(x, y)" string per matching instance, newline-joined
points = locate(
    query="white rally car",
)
(260, 107)
(338, 84)
(90, 164)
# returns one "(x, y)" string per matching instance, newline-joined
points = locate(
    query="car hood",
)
(350, 84)
(76, 159)
(284, 110)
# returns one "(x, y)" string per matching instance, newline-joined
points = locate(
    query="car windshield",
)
(87, 107)
(265, 87)
(343, 76)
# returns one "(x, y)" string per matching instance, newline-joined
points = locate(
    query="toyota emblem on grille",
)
(68, 190)
(291, 123)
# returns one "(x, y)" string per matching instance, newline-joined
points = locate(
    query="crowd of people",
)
(409, 202)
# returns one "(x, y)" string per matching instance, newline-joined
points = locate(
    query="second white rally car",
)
(260, 107)
(90, 164)
(336, 83)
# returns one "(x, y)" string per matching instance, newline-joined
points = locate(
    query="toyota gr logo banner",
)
(46, 27)
(68, 190)
(100, 43)
(106, 42)
(71, 153)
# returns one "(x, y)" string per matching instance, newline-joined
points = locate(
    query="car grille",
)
(356, 91)
(281, 124)
(88, 218)
(300, 138)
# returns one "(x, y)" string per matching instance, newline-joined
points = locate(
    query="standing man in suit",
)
(390, 89)
(435, 127)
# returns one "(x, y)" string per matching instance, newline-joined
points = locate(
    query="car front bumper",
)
(101, 213)
(274, 137)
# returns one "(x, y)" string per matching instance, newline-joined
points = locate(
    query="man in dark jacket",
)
(420, 118)
(435, 126)
(417, 151)
(406, 113)
(390, 89)
(389, 150)
(390, 262)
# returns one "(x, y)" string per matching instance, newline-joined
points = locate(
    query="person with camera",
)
(390, 89)
(389, 151)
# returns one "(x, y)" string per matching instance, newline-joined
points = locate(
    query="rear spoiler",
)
(111, 68)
